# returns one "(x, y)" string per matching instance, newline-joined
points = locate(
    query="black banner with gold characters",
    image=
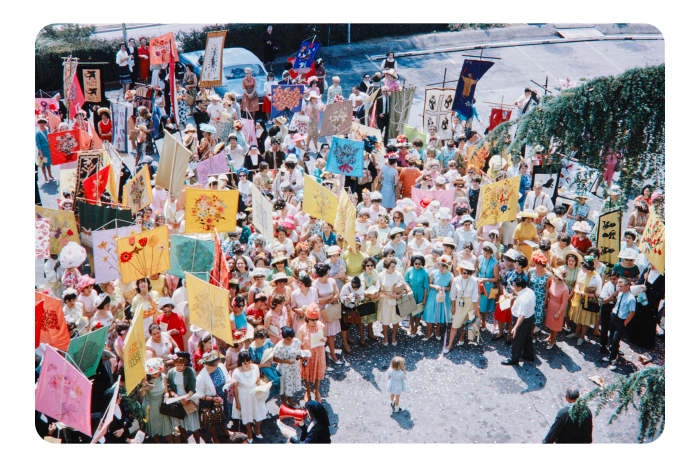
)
(608, 241)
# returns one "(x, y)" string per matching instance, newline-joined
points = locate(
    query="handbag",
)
(366, 178)
(592, 307)
(350, 315)
(210, 414)
(367, 308)
(133, 135)
(175, 410)
(189, 99)
(332, 313)
(406, 305)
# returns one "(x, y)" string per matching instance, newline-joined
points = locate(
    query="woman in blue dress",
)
(488, 277)
(577, 212)
(389, 177)
(539, 281)
(257, 351)
(439, 312)
(417, 279)
(42, 143)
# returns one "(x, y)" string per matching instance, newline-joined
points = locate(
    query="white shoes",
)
(579, 342)
(549, 347)
(569, 336)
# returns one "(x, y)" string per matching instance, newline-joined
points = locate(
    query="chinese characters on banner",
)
(608, 241)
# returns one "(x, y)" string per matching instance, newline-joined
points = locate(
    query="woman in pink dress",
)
(610, 161)
(328, 294)
(555, 303)
(249, 101)
(312, 373)
(276, 318)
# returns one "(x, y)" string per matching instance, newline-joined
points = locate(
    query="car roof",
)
(231, 56)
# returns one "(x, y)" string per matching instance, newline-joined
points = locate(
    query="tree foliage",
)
(648, 385)
(63, 36)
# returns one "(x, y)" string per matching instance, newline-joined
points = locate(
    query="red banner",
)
(52, 323)
(294, 73)
(75, 96)
(95, 185)
(219, 271)
(64, 145)
(38, 316)
(160, 49)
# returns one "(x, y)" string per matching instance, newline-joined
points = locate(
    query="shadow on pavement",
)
(403, 419)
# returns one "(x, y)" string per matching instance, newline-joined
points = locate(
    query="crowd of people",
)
(416, 271)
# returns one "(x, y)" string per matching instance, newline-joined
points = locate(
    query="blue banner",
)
(472, 71)
(346, 157)
(305, 55)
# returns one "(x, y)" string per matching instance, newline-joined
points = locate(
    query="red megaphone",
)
(297, 414)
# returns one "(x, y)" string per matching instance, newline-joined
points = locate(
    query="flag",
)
(262, 213)
(104, 423)
(608, 238)
(54, 121)
(54, 329)
(368, 104)
(219, 270)
(373, 121)
(346, 157)
(206, 210)
(190, 255)
(318, 201)
(305, 56)
(38, 317)
(95, 185)
(248, 132)
(63, 392)
(437, 110)
(135, 353)
(64, 145)
(653, 243)
(173, 165)
(345, 220)
(337, 119)
(91, 79)
(208, 305)
(445, 197)
(161, 50)
(497, 117)
(499, 202)
(472, 71)
(411, 133)
(137, 192)
(212, 62)
(400, 105)
(144, 254)
(214, 165)
(75, 96)
(104, 251)
(294, 73)
(86, 351)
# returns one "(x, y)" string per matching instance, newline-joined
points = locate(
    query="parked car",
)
(235, 61)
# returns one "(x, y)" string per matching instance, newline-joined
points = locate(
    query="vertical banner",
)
(137, 192)
(54, 329)
(62, 230)
(190, 255)
(213, 62)
(497, 117)
(69, 67)
(437, 110)
(65, 145)
(88, 165)
(172, 167)
(345, 221)
(42, 228)
(262, 214)
(159, 49)
(248, 132)
(471, 73)
(86, 351)
(608, 241)
(319, 201)
(499, 202)
(346, 157)
(135, 353)
(119, 126)
(75, 96)
(92, 80)
(368, 105)
(104, 424)
(304, 75)
(305, 56)
(104, 251)
(207, 210)
(400, 110)
(653, 243)
(219, 274)
(212, 166)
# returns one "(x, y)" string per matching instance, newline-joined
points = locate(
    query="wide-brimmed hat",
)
(468, 265)
(219, 147)
(239, 335)
(280, 276)
(190, 128)
(627, 253)
(263, 391)
(512, 254)
(459, 181)
(211, 356)
(258, 272)
(449, 241)
(278, 257)
(559, 272)
(214, 97)
(490, 245)
(165, 301)
(85, 281)
(41, 118)
(528, 213)
(466, 218)
(444, 213)
(312, 311)
(207, 128)
(445, 260)
(581, 227)
(104, 110)
(154, 366)
(397, 230)
(280, 120)
(334, 250)
(288, 222)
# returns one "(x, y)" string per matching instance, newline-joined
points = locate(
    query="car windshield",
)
(238, 71)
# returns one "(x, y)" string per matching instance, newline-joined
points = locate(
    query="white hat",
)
(512, 254)
(165, 301)
(627, 253)
(581, 227)
(72, 255)
(441, 180)
(468, 265)
(396, 230)
(528, 213)
(434, 205)
(69, 291)
(292, 158)
(490, 245)
(334, 250)
(449, 241)
(444, 213)
(466, 218)
(375, 195)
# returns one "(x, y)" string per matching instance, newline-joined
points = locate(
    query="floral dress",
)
(337, 268)
(299, 265)
(578, 210)
(368, 280)
(437, 230)
(244, 282)
(316, 365)
(539, 286)
(290, 375)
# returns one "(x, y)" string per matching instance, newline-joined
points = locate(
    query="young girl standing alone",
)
(397, 382)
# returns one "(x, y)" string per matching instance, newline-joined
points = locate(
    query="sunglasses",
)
(313, 319)
(418, 263)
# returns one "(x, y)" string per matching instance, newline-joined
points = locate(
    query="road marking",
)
(606, 58)
(533, 61)
(375, 65)
(443, 54)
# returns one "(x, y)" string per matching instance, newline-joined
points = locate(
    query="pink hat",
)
(312, 311)
(85, 281)
(288, 222)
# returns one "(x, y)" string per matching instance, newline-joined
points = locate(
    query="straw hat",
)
(559, 272)
(512, 254)
(208, 357)
(334, 250)
(280, 120)
(528, 213)
(280, 276)
(104, 110)
(239, 335)
(449, 241)
(214, 97)
(445, 260)
(468, 265)
(219, 147)
(261, 392)
(190, 128)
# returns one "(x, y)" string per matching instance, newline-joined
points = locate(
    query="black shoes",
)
(510, 362)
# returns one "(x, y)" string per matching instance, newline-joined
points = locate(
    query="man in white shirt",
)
(464, 294)
(357, 98)
(538, 198)
(523, 310)
(234, 152)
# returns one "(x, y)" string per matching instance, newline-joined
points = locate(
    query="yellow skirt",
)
(580, 316)
(461, 313)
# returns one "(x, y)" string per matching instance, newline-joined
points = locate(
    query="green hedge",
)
(48, 74)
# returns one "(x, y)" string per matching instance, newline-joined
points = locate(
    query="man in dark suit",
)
(382, 112)
(564, 430)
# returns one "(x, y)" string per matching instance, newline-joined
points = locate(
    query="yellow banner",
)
(208, 305)
(608, 241)
(206, 210)
(345, 220)
(135, 353)
(499, 202)
(137, 192)
(653, 243)
(62, 230)
(144, 254)
(319, 202)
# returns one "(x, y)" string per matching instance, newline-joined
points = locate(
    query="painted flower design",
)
(143, 242)
(126, 256)
(209, 210)
(286, 98)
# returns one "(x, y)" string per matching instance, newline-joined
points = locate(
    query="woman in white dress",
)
(288, 352)
(248, 407)
(328, 294)
(160, 345)
(390, 284)
(301, 298)
(418, 244)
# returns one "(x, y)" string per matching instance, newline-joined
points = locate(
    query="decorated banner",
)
(94, 217)
(208, 306)
(346, 157)
(75, 96)
(96, 140)
(212, 64)
(63, 227)
(318, 201)
(119, 127)
(499, 202)
(137, 192)
(360, 132)
(345, 221)
(88, 165)
(135, 353)
(159, 49)
(212, 166)
(43, 105)
(368, 104)
(69, 67)
(206, 210)
(86, 351)
(95, 185)
(294, 73)
(190, 255)
(575, 178)
(286, 99)
(183, 197)
(104, 251)
(411, 133)
(497, 117)
(262, 214)
(337, 119)
(64, 145)
(219, 271)
(54, 329)
(172, 167)
(38, 316)
(109, 416)
(305, 56)
(400, 109)
(63, 392)
(445, 197)
(248, 132)
(42, 242)
(471, 73)
(653, 242)
(92, 81)
(437, 110)
(144, 254)
(608, 239)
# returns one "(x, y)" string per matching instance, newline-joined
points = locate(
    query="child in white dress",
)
(397, 382)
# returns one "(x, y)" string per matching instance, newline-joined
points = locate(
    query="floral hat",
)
(239, 335)
(338, 98)
(384, 215)
(370, 143)
(208, 357)
(42, 118)
(446, 260)
(539, 258)
(85, 281)
(72, 255)
(391, 155)
(154, 366)
(238, 125)
(334, 250)
(401, 141)
(312, 311)
(444, 213)
(582, 226)
(303, 246)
